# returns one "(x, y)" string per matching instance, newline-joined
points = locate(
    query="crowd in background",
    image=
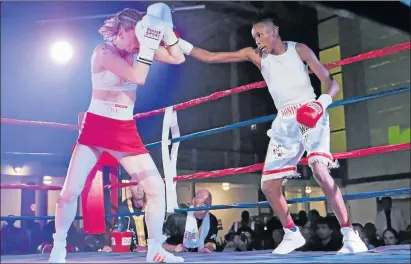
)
(248, 233)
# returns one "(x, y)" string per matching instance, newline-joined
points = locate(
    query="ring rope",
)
(364, 56)
(346, 197)
(264, 119)
(230, 171)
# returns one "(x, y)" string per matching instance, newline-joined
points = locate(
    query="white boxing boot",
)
(156, 252)
(292, 240)
(352, 242)
(59, 252)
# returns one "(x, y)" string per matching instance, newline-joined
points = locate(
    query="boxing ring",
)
(387, 254)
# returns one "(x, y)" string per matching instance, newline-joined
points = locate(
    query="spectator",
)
(192, 231)
(371, 234)
(34, 235)
(240, 242)
(244, 224)
(313, 216)
(389, 217)
(302, 218)
(136, 203)
(13, 239)
(324, 240)
(390, 236)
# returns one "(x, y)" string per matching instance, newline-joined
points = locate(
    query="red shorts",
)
(112, 134)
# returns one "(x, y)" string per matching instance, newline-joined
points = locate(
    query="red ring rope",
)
(230, 171)
(217, 95)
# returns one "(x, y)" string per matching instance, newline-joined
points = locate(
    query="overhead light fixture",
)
(17, 169)
(225, 186)
(47, 180)
(308, 189)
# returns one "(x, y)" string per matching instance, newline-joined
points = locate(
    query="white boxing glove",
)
(149, 32)
(163, 12)
(185, 46)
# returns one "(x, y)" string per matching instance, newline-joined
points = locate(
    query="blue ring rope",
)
(347, 197)
(271, 117)
(407, 3)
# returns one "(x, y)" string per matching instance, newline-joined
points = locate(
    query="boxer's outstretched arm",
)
(172, 55)
(308, 56)
(221, 57)
(107, 58)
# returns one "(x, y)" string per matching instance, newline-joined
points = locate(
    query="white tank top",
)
(287, 77)
(108, 81)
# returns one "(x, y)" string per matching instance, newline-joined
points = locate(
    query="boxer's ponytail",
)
(127, 19)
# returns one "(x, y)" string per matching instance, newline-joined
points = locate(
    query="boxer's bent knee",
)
(272, 188)
(320, 161)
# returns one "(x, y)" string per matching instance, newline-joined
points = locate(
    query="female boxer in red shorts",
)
(108, 125)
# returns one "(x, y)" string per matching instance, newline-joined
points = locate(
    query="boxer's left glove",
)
(309, 114)
(163, 12)
(149, 32)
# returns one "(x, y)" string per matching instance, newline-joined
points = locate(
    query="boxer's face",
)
(264, 36)
(129, 40)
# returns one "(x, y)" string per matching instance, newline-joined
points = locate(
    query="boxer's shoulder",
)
(104, 49)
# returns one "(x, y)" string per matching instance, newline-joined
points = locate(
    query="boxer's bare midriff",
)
(121, 97)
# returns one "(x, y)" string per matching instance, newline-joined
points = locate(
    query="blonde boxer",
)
(109, 126)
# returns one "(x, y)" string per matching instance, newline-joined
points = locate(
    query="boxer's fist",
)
(149, 32)
(163, 12)
(309, 114)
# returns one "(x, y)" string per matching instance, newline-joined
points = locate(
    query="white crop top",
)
(108, 81)
(287, 77)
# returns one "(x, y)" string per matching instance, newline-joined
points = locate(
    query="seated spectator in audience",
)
(193, 230)
(405, 236)
(240, 242)
(313, 216)
(244, 224)
(360, 229)
(34, 235)
(371, 234)
(302, 218)
(324, 240)
(16, 239)
(389, 217)
(136, 203)
(390, 237)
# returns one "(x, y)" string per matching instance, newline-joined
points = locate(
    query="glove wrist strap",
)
(325, 100)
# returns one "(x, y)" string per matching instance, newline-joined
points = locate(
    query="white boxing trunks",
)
(289, 140)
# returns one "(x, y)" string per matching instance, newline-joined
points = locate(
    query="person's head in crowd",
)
(390, 237)
(305, 231)
(138, 195)
(370, 230)
(302, 218)
(408, 229)
(359, 228)
(386, 203)
(245, 217)
(313, 215)
(10, 222)
(323, 228)
(202, 198)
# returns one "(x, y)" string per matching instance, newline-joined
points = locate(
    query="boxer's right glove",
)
(309, 114)
(149, 31)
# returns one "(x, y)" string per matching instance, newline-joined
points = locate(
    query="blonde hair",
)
(127, 19)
